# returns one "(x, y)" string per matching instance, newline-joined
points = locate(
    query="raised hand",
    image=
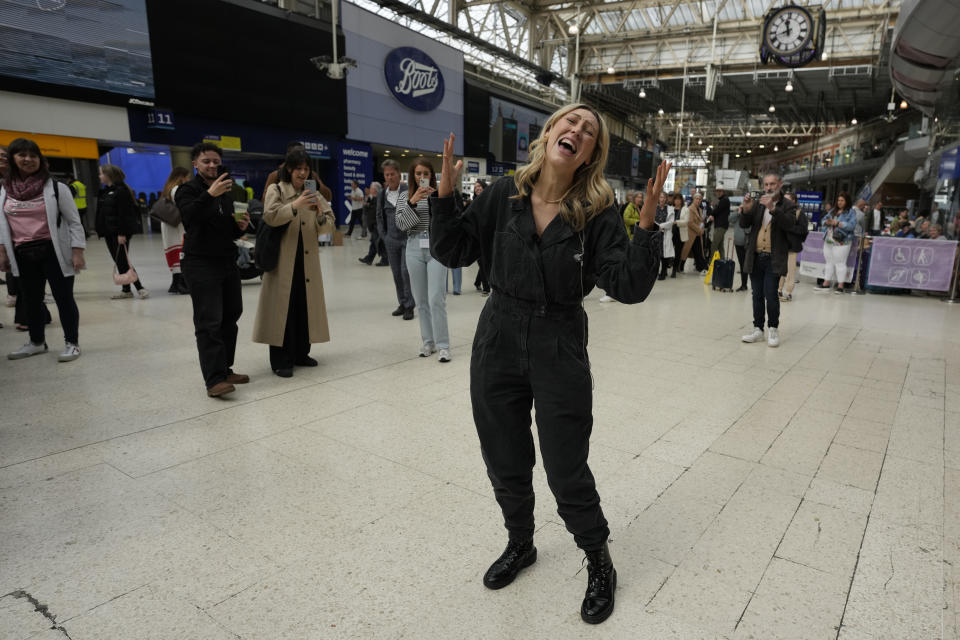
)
(450, 171)
(648, 212)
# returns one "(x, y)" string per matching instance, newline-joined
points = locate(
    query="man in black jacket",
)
(209, 267)
(766, 223)
(721, 222)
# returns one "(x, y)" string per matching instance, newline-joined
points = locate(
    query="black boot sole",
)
(606, 613)
(500, 584)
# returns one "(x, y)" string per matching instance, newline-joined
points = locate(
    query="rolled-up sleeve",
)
(626, 269)
(455, 236)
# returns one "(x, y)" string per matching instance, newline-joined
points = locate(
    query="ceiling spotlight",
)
(700, 141)
(738, 155)
(796, 141)
(854, 121)
(643, 93)
(771, 108)
(776, 148)
(573, 30)
(611, 70)
(903, 104)
(748, 134)
(690, 135)
(823, 56)
(789, 86)
(660, 111)
(762, 147)
(749, 150)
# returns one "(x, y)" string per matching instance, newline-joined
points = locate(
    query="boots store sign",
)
(414, 78)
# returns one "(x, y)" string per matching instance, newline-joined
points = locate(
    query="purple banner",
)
(908, 263)
(812, 262)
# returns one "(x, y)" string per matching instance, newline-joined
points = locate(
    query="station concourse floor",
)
(810, 491)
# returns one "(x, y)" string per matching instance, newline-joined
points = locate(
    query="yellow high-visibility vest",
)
(81, 197)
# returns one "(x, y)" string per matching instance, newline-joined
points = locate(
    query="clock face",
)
(788, 31)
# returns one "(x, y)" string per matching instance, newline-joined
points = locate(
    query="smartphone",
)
(222, 170)
(425, 182)
(310, 185)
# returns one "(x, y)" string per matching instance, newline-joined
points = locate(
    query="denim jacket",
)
(848, 222)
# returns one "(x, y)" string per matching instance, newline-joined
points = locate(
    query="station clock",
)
(793, 36)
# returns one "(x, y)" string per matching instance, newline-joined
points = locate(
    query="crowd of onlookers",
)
(42, 242)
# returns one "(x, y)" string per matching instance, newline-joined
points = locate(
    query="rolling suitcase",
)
(723, 272)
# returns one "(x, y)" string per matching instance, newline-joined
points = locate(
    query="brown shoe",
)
(238, 378)
(220, 389)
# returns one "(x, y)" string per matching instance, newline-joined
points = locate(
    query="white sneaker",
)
(70, 353)
(756, 336)
(143, 293)
(773, 337)
(444, 355)
(123, 295)
(606, 299)
(427, 349)
(27, 350)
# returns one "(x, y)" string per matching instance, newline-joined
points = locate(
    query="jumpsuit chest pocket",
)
(512, 267)
(563, 266)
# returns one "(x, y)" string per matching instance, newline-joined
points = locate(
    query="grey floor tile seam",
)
(232, 405)
(253, 441)
(863, 537)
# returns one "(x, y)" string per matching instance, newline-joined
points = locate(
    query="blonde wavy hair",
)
(589, 194)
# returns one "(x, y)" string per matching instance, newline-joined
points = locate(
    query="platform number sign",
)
(160, 119)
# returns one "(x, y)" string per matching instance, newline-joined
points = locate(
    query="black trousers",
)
(296, 335)
(120, 258)
(741, 256)
(521, 359)
(217, 305)
(38, 266)
(665, 264)
(377, 246)
(481, 281)
(698, 253)
(355, 216)
(766, 301)
(677, 250)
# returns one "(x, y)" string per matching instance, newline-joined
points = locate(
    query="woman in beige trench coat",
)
(291, 313)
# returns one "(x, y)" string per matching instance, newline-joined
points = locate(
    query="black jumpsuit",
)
(530, 346)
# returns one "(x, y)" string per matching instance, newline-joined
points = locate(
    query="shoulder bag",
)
(130, 276)
(266, 251)
(166, 211)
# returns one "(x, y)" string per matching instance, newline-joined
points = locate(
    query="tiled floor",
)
(810, 491)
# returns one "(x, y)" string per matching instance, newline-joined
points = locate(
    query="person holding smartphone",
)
(209, 266)
(428, 278)
(291, 312)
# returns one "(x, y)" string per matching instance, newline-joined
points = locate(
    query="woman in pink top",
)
(41, 241)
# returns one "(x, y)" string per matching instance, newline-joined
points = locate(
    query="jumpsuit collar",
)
(556, 232)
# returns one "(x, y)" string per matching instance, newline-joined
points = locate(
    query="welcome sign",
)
(414, 78)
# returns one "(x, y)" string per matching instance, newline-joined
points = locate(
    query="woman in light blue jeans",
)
(428, 278)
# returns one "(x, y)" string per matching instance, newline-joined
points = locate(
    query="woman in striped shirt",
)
(428, 278)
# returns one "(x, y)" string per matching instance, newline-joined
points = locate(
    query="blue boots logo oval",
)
(414, 78)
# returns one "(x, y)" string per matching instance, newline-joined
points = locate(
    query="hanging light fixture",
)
(748, 134)
(789, 86)
(611, 70)
(776, 148)
(854, 121)
(643, 93)
(699, 140)
(762, 147)
(749, 150)
(660, 111)
(771, 108)
(573, 30)
(903, 104)
(823, 56)
(738, 155)
(796, 141)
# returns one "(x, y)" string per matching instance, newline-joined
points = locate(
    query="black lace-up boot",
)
(518, 555)
(601, 583)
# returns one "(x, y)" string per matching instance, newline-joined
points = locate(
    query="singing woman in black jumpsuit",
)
(549, 235)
